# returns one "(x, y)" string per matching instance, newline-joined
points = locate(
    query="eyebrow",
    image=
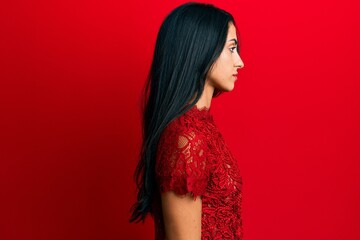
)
(236, 42)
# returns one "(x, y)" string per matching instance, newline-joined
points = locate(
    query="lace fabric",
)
(193, 158)
(185, 169)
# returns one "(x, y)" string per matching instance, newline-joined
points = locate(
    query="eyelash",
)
(232, 49)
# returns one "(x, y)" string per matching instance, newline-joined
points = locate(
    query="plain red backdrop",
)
(71, 77)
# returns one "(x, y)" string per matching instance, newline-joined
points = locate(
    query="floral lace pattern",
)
(193, 158)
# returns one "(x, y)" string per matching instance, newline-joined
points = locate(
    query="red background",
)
(71, 75)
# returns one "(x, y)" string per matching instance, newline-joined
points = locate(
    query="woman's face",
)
(223, 73)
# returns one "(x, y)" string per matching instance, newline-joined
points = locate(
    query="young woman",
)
(187, 178)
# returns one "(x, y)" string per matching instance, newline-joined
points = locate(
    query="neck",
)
(206, 96)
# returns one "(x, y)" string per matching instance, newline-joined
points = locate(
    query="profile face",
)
(223, 73)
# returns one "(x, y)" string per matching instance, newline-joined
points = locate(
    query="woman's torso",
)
(222, 199)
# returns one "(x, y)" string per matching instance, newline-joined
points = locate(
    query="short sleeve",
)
(181, 164)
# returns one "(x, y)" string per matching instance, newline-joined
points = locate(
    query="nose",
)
(238, 62)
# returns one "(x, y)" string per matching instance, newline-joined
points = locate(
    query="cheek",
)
(226, 62)
(226, 57)
(222, 65)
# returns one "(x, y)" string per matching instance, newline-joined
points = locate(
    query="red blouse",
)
(193, 157)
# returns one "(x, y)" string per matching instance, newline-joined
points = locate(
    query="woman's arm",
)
(182, 216)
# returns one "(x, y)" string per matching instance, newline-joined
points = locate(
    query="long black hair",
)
(189, 41)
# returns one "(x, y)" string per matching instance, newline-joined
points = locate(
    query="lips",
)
(235, 75)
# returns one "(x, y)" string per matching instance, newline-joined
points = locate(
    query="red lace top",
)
(192, 157)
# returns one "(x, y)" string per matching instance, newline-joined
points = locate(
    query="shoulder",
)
(181, 131)
(181, 161)
(181, 140)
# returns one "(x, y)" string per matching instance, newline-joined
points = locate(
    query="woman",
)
(187, 178)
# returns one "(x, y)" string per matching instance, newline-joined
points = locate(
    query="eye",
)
(232, 49)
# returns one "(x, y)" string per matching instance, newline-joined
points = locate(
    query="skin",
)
(182, 215)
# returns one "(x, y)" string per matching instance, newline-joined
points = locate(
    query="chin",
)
(231, 89)
(228, 88)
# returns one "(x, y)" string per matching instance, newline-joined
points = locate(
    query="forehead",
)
(231, 31)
